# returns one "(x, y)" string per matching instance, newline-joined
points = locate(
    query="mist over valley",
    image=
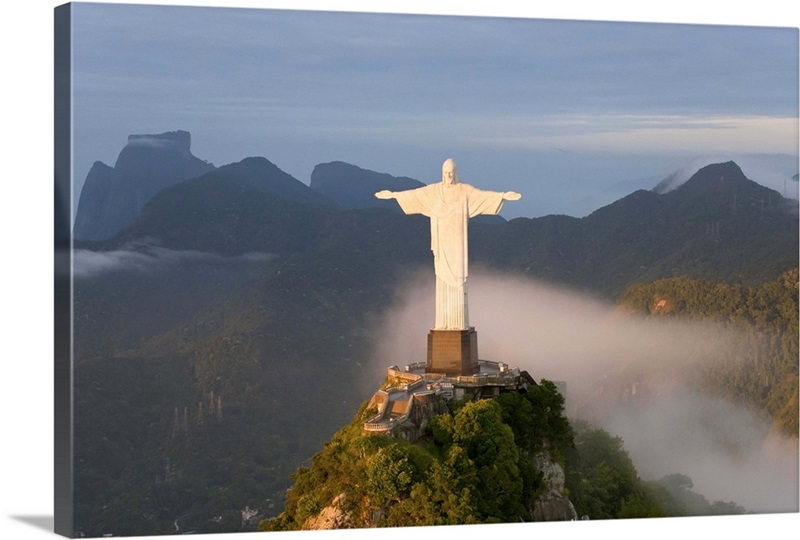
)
(639, 378)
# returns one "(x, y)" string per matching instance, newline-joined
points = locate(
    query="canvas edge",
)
(62, 283)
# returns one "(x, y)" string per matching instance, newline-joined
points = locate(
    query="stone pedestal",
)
(452, 351)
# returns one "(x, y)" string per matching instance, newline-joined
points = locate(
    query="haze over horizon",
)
(572, 114)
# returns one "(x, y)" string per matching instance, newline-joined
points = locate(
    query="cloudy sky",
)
(572, 114)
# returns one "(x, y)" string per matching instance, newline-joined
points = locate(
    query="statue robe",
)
(449, 207)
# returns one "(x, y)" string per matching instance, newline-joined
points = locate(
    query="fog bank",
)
(629, 375)
(147, 258)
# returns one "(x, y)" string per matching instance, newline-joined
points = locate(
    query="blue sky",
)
(572, 114)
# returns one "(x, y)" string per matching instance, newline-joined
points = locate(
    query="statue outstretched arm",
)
(511, 196)
(385, 194)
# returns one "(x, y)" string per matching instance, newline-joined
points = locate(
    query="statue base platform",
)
(452, 352)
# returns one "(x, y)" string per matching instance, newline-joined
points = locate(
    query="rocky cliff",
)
(553, 505)
(112, 197)
(330, 517)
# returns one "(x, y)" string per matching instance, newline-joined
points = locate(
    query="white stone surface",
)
(449, 204)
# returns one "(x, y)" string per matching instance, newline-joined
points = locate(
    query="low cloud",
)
(731, 453)
(145, 258)
(631, 376)
(150, 141)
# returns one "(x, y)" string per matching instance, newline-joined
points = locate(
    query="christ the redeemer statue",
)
(449, 204)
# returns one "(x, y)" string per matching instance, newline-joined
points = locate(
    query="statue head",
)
(449, 172)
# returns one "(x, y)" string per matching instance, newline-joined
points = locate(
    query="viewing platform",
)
(412, 389)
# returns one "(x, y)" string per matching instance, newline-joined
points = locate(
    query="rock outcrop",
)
(112, 198)
(330, 517)
(553, 505)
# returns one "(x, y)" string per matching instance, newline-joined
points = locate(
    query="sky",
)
(572, 114)
(26, 221)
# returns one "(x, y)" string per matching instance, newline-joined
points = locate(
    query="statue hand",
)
(385, 194)
(511, 196)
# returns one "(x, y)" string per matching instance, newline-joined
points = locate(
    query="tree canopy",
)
(472, 466)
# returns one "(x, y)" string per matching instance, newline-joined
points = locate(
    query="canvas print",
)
(326, 270)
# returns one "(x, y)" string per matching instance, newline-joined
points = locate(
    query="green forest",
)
(763, 371)
(476, 465)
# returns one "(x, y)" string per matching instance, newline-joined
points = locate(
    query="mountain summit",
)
(349, 186)
(718, 179)
(112, 198)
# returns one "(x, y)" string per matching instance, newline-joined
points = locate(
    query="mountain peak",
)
(256, 163)
(718, 178)
(178, 140)
(350, 186)
(711, 178)
(112, 197)
(263, 175)
(728, 168)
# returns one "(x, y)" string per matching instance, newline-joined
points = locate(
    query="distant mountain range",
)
(113, 197)
(246, 286)
(716, 225)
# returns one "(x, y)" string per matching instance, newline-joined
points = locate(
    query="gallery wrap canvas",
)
(256, 331)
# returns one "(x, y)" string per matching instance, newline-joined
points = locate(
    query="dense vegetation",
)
(603, 483)
(602, 480)
(282, 365)
(179, 475)
(674, 493)
(474, 466)
(763, 370)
